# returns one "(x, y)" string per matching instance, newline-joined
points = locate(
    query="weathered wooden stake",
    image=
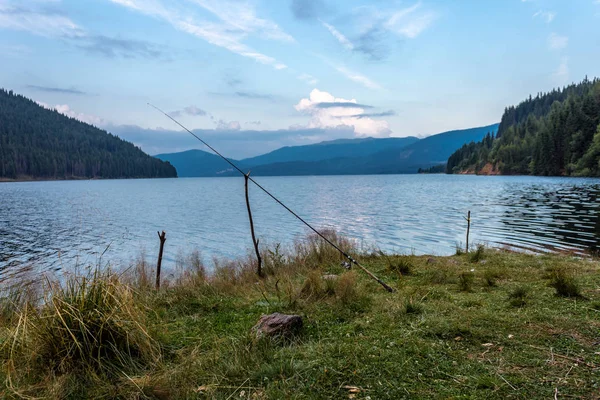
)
(468, 229)
(163, 237)
(254, 240)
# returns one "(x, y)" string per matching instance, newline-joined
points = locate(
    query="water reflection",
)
(55, 225)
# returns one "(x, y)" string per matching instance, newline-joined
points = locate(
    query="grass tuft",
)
(491, 277)
(564, 282)
(518, 296)
(478, 254)
(413, 307)
(403, 266)
(465, 281)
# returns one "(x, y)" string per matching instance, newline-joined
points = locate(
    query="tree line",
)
(39, 143)
(553, 134)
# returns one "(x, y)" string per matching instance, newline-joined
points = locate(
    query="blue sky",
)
(254, 75)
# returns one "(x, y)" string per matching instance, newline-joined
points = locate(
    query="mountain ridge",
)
(336, 157)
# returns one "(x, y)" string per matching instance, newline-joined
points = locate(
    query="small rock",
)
(330, 277)
(430, 260)
(278, 325)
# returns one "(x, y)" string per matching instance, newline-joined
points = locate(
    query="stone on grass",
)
(330, 277)
(277, 325)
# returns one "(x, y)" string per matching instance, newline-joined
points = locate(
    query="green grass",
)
(429, 339)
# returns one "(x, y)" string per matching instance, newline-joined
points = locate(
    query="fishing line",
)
(352, 260)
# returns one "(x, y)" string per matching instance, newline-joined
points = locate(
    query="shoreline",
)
(32, 179)
(23, 180)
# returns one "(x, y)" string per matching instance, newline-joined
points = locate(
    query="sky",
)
(251, 76)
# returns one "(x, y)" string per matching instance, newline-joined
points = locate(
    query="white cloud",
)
(66, 110)
(547, 16)
(358, 78)
(557, 42)
(42, 22)
(342, 116)
(237, 22)
(339, 36)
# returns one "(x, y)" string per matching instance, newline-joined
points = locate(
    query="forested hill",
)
(553, 134)
(37, 143)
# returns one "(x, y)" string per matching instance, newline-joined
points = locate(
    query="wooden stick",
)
(163, 238)
(254, 240)
(468, 229)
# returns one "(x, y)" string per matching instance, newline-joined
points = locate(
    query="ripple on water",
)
(57, 224)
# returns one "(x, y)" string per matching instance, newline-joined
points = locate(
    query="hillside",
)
(343, 148)
(197, 163)
(338, 157)
(37, 143)
(553, 134)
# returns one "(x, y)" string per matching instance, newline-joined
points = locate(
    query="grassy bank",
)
(489, 324)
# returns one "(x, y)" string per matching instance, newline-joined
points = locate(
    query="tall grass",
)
(89, 326)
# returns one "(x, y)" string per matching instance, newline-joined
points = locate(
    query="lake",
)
(56, 225)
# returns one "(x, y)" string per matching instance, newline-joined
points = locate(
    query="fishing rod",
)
(352, 260)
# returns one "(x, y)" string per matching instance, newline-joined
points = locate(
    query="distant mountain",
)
(424, 153)
(433, 150)
(37, 143)
(198, 163)
(338, 157)
(342, 148)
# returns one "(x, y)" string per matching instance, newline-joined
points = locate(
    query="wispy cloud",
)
(307, 9)
(547, 16)
(237, 21)
(57, 90)
(44, 18)
(311, 80)
(557, 42)
(410, 22)
(190, 110)
(255, 95)
(38, 19)
(341, 104)
(120, 47)
(339, 36)
(228, 126)
(389, 113)
(374, 29)
(249, 95)
(561, 75)
(357, 77)
(241, 16)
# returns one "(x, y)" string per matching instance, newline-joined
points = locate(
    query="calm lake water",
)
(55, 225)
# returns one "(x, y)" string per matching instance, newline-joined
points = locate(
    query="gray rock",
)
(430, 260)
(278, 325)
(330, 277)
